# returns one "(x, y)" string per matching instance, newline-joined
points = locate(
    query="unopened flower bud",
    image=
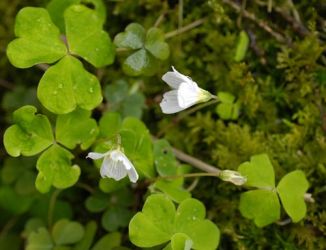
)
(233, 176)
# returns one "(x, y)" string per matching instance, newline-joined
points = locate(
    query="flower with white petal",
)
(233, 176)
(185, 93)
(115, 165)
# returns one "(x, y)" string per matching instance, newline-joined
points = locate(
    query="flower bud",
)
(233, 176)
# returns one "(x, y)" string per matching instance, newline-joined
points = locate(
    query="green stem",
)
(185, 28)
(192, 175)
(53, 200)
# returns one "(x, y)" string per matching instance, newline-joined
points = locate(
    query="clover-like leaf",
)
(140, 62)
(132, 38)
(227, 109)
(55, 169)
(259, 172)
(156, 45)
(76, 128)
(86, 37)
(108, 242)
(40, 240)
(116, 217)
(165, 161)
(262, 206)
(159, 223)
(153, 226)
(67, 232)
(173, 189)
(137, 143)
(38, 39)
(56, 9)
(110, 124)
(291, 190)
(67, 85)
(30, 135)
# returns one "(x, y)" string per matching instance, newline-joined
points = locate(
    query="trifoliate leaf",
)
(159, 222)
(39, 240)
(156, 45)
(30, 135)
(262, 206)
(291, 190)
(108, 242)
(86, 37)
(38, 39)
(54, 167)
(76, 128)
(32, 225)
(132, 38)
(227, 109)
(137, 143)
(67, 232)
(140, 62)
(154, 225)
(67, 85)
(259, 172)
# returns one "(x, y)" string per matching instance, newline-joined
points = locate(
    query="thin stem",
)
(196, 162)
(6, 228)
(85, 187)
(159, 19)
(186, 113)
(192, 175)
(180, 14)
(185, 28)
(53, 200)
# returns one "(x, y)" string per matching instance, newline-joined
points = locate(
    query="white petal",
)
(188, 95)
(132, 174)
(95, 156)
(174, 78)
(105, 166)
(117, 171)
(170, 104)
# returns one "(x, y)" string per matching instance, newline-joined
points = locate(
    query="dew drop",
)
(60, 86)
(97, 49)
(55, 92)
(91, 90)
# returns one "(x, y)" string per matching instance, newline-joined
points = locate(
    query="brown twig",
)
(279, 37)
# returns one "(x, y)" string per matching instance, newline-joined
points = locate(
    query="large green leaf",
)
(76, 128)
(67, 232)
(67, 85)
(30, 135)
(38, 39)
(259, 172)
(261, 205)
(132, 38)
(159, 222)
(86, 37)
(110, 124)
(154, 225)
(55, 169)
(291, 190)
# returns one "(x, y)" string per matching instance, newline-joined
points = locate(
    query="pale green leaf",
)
(181, 241)
(242, 46)
(173, 189)
(30, 135)
(262, 206)
(38, 39)
(140, 62)
(259, 172)
(76, 128)
(54, 167)
(67, 85)
(165, 161)
(86, 37)
(291, 190)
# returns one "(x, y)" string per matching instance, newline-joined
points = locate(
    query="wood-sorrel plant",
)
(136, 178)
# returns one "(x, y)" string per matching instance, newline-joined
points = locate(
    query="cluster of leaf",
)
(272, 99)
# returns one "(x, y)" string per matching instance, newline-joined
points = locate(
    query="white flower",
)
(115, 165)
(233, 176)
(185, 93)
